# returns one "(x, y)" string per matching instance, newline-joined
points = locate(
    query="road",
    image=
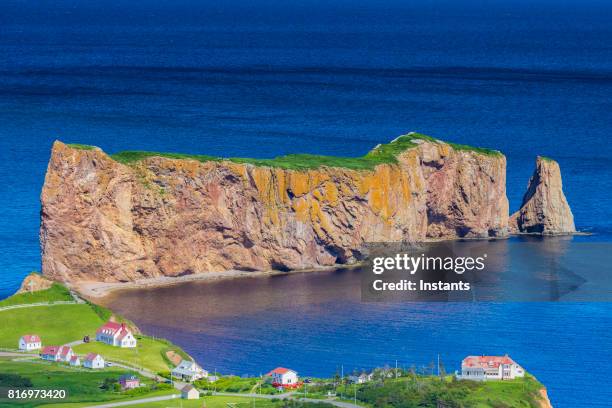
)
(140, 401)
(56, 303)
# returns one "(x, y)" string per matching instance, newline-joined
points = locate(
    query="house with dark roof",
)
(129, 381)
(116, 334)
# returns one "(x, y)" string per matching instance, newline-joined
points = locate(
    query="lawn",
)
(55, 325)
(80, 384)
(223, 401)
(55, 293)
(148, 354)
(383, 153)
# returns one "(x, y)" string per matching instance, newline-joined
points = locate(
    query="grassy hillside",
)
(148, 354)
(60, 324)
(421, 391)
(384, 153)
(80, 384)
(55, 324)
(55, 293)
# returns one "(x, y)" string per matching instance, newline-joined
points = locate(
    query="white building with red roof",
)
(29, 342)
(57, 353)
(93, 360)
(75, 361)
(116, 334)
(283, 377)
(481, 368)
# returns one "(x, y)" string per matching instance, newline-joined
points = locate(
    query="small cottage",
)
(75, 361)
(129, 381)
(189, 370)
(57, 353)
(190, 392)
(93, 361)
(29, 342)
(283, 377)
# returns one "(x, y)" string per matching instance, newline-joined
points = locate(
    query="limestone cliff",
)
(162, 216)
(544, 209)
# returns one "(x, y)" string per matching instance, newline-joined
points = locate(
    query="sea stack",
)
(544, 209)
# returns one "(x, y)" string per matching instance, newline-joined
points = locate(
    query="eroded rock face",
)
(34, 282)
(544, 209)
(105, 221)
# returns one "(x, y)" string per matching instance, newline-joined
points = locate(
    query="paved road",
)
(133, 402)
(143, 372)
(57, 303)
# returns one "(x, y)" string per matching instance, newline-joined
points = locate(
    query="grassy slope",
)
(147, 354)
(404, 392)
(80, 384)
(59, 324)
(56, 292)
(55, 324)
(384, 153)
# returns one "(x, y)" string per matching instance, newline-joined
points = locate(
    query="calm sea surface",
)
(269, 78)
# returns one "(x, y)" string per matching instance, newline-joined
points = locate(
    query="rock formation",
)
(102, 220)
(34, 282)
(544, 209)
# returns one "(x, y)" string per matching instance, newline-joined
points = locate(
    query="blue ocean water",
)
(269, 78)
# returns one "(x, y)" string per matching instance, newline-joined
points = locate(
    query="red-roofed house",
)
(93, 360)
(481, 368)
(116, 334)
(29, 342)
(283, 377)
(50, 353)
(57, 353)
(75, 361)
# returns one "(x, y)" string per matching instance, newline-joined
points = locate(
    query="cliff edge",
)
(544, 209)
(137, 215)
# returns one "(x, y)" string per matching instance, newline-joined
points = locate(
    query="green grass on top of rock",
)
(81, 146)
(55, 293)
(381, 154)
(548, 159)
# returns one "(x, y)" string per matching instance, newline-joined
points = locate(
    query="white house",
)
(75, 361)
(93, 360)
(29, 342)
(360, 379)
(189, 392)
(189, 371)
(50, 353)
(116, 334)
(283, 377)
(57, 353)
(482, 368)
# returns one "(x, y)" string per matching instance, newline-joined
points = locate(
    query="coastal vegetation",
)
(80, 384)
(381, 154)
(56, 293)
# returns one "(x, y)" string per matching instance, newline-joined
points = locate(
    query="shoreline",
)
(99, 290)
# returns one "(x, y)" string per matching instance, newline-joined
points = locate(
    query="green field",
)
(60, 324)
(148, 354)
(383, 153)
(55, 325)
(80, 384)
(55, 293)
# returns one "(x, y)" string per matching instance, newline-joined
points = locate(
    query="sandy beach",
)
(93, 289)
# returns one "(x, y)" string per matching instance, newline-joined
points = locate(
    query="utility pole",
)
(438, 364)
(395, 369)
